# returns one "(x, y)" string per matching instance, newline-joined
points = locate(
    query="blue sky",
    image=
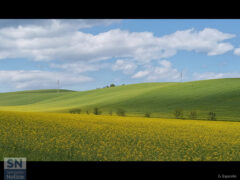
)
(88, 54)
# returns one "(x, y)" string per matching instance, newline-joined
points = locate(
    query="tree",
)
(87, 111)
(112, 85)
(96, 111)
(75, 111)
(178, 113)
(120, 112)
(211, 116)
(110, 112)
(147, 114)
(193, 115)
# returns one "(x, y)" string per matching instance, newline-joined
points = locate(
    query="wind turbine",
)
(58, 84)
(181, 75)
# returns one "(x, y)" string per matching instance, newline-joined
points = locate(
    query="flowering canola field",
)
(70, 137)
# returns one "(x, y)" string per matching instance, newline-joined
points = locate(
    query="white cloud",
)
(206, 41)
(163, 72)
(213, 75)
(126, 66)
(60, 40)
(79, 67)
(73, 23)
(141, 74)
(39, 79)
(165, 63)
(237, 51)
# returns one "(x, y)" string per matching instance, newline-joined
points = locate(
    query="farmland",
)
(38, 124)
(221, 96)
(66, 137)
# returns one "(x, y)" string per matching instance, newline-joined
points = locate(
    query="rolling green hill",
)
(160, 99)
(29, 97)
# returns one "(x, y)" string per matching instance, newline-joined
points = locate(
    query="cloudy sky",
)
(87, 54)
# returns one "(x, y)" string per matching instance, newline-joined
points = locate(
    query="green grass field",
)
(67, 137)
(221, 96)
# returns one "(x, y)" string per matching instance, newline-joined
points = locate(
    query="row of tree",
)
(178, 114)
(97, 111)
(193, 115)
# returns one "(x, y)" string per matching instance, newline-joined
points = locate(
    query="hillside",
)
(29, 97)
(160, 99)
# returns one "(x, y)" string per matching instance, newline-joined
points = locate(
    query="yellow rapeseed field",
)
(70, 137)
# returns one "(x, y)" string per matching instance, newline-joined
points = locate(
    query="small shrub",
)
(147, 114)
(120, 112)
(96, 111)
(75, 111)
(87, 112)
(193, 115)
(112, 85)
(178, 113)
(211, 116)
(110, 112)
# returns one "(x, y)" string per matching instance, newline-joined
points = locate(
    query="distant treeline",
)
(111, 85)
(178, 113)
